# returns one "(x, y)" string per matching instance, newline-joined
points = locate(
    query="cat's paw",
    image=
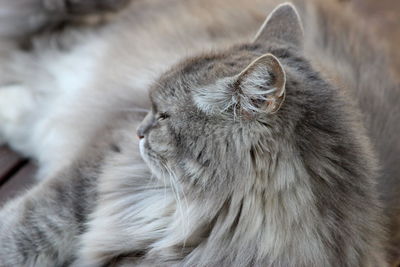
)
(84, 7)
(16, 103)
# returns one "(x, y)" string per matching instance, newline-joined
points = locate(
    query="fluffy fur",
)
(247, 161)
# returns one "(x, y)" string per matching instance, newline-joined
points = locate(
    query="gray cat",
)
(248, 157)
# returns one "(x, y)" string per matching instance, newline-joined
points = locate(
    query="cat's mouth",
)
(149, 157)
(142, 149)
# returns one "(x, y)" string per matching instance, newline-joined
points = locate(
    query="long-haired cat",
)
(253, 153)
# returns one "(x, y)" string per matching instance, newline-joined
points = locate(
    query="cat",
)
(248, 157)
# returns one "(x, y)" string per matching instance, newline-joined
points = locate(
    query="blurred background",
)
(383, 17)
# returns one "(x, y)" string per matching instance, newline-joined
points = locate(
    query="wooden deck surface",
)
(16, 174)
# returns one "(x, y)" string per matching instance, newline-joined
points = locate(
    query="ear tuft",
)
(262, 85)
(258, 89)
(282, 24)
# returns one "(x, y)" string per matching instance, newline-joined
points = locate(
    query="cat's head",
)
(218, 119)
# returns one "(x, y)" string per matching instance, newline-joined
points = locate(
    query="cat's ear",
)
(261, 86)
(258, 89)
(282, 24)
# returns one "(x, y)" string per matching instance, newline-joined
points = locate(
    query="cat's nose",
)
(145, 126)
(140, 133)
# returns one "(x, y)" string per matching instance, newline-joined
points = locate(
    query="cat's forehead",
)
(202, 70)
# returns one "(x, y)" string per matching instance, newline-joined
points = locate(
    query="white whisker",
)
(177, 193)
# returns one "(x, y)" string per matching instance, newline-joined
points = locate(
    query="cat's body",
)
(296, 219)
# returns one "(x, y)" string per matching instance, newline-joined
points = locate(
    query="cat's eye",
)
(162, 116)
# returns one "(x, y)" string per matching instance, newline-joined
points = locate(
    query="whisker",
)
(175, 187)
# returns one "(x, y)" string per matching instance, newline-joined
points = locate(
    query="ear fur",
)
(258, 89)
(282, 24)
(262, 85)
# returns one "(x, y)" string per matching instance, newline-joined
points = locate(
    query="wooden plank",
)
(9, 163)
(17, 184)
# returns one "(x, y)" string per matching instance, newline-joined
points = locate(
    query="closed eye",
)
(162, 116)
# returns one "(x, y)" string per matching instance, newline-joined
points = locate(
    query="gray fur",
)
(272, 176)
(285, 26)
(227, 180)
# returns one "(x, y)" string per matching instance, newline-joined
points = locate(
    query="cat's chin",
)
(141, 148)
(143, 154)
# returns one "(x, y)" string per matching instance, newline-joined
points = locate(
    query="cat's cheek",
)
(142, 149)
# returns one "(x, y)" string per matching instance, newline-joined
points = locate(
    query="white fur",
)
(40, 116)
(15, 103)
(254, 88)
